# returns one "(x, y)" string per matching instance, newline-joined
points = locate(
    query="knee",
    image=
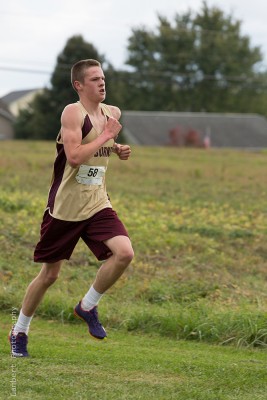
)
(49, 279)
(48, 276)
(125, 256)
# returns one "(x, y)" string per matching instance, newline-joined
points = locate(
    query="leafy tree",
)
(200, 62)
(116, 86)
(225, 60)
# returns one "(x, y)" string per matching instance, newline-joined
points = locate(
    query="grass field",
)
(198, 224)
(66, 364)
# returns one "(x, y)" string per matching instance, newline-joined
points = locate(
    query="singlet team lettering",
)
(103, 152)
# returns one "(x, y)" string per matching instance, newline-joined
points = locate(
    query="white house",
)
(18, 100)
(6, 122)
(10, 106)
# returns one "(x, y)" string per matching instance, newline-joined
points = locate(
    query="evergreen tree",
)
(41, 120)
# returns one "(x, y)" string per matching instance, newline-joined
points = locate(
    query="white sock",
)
(91, 299)
(22, 324)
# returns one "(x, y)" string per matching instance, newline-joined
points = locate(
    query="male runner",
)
(78, 205)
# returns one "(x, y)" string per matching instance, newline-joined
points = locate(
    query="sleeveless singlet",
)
(78, 193)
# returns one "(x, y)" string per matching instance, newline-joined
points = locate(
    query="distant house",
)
(18, 100)
(6, 122)
(10, 106)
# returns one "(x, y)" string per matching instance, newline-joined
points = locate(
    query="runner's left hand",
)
(123, 151)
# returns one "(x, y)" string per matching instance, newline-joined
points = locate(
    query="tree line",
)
(197, 62)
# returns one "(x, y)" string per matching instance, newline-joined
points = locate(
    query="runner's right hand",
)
(112, 128)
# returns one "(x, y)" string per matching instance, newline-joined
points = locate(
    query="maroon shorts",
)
(58, 238)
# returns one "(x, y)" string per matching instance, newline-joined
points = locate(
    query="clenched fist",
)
(112, 128)
(123, 151)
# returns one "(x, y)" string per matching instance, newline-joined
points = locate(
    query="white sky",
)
(33, 32)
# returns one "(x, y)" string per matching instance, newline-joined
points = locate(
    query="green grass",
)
(198, 224)
(187, 320)
(66, 364)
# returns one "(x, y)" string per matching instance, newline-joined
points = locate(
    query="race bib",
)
(90, 175)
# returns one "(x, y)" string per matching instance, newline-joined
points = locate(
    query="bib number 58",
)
(92, 172)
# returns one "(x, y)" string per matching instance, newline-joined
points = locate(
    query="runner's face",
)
(94, 83)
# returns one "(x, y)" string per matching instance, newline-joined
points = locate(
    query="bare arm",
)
(76, 152)
(123, 151)
(116, 112)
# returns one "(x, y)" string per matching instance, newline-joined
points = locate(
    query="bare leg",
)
(37, 288)
(113, 268)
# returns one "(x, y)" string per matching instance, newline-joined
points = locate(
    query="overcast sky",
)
(33, 33)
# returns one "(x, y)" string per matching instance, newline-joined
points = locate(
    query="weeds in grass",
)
(199, 231)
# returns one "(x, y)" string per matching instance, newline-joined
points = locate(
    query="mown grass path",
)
(66, 363)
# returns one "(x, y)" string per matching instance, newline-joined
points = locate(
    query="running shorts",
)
(58, 238)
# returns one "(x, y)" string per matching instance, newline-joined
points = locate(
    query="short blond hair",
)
(79, 68)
